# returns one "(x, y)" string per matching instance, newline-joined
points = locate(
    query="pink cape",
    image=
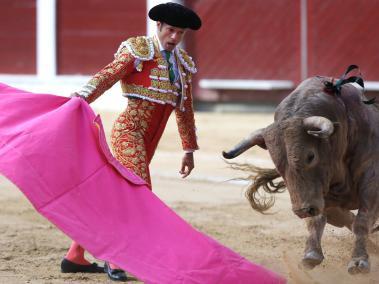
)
(53, 148)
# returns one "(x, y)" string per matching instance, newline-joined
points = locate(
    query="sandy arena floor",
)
(31, 248)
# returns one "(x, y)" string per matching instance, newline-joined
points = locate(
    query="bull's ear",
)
(255, 138)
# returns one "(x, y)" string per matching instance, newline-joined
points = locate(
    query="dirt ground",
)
(31, 248)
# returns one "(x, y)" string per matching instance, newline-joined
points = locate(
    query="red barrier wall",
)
(18, 36)
(343, 32)
(256, 39)
(90, 31)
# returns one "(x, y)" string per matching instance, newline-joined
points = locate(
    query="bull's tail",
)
(260, 178)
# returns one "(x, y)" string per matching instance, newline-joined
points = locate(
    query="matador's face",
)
(169, 36)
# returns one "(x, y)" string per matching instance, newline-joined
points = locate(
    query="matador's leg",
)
(128, 141)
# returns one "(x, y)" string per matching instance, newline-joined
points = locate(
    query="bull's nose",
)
(307, 212)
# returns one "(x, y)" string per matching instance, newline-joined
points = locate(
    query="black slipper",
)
(71, 267)
(115, 274)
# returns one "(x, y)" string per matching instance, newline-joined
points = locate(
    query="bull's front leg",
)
(313, 252)
(367, 215)
(359, 262)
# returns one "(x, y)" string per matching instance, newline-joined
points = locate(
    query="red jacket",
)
(143, 73)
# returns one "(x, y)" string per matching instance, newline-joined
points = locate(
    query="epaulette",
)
(141, 47)
(186, 61)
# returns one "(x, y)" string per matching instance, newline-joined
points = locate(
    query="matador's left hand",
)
(187, 165)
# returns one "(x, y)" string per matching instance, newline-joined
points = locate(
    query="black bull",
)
(326, 149)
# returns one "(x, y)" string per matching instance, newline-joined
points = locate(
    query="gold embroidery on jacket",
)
(107, 77)
(159, 72)
(161, 61)
(152, 95)
(140, 46)
(186, 124)
(186, 61)
(128, 134)
(162, 85)
(139, 67)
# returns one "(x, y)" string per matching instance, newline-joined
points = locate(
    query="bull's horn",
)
(255, 138)
(323, 125)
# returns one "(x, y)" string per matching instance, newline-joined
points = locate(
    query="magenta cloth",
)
(53, 148)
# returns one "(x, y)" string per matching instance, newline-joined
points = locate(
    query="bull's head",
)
(301, 152)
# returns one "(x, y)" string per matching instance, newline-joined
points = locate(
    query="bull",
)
(325, 147)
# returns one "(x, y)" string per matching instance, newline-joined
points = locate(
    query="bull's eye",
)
(310, 158)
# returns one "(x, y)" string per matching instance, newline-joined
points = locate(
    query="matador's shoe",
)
(115, 274)
(71, 267)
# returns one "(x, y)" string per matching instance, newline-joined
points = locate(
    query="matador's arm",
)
(122, 65)
(186, 124)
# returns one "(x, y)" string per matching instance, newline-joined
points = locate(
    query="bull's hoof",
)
(312, 259)
(358, 265)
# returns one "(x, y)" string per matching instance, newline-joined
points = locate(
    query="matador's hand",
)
(187, 165)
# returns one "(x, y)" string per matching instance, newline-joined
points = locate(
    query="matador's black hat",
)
(175, 15)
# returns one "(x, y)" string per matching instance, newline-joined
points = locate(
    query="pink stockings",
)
(76, 254)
